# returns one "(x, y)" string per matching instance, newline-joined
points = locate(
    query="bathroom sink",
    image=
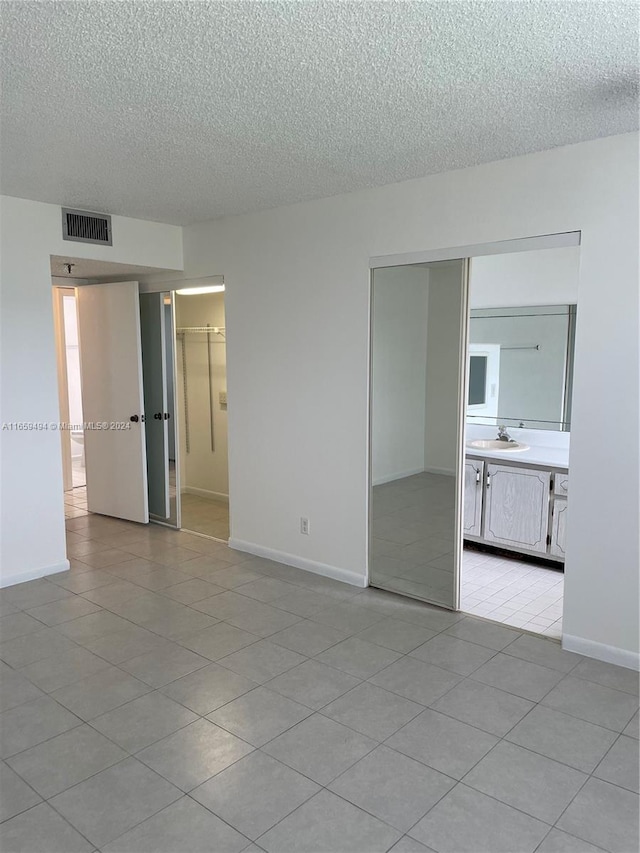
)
(494, 444)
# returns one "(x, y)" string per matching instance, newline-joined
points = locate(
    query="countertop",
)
(553, 457)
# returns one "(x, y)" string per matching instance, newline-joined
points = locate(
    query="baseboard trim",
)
(327, 571)
(601, 651)
(400, 475)
(34, 574)
(446, 471)
(205, 493)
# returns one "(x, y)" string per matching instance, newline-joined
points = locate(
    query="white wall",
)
(203, 471)
(297, 311)
(443, 367)
(399, 354)
(32, 510)
(544, 277)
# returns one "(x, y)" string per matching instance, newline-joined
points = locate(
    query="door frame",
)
(560, 240)
(173, 287)
(59, 293)
(171, 377)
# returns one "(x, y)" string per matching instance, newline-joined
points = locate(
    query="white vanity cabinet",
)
(559, 515)
(473, 488)
(519, 507)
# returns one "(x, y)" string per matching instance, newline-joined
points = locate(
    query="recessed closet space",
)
(201, 394)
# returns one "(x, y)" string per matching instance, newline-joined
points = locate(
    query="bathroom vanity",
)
(520, 503)
(517, 476)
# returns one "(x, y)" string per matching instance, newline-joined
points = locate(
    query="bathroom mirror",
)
(521, 366)
(418, 331)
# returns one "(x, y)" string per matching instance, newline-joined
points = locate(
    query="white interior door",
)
(112, 399)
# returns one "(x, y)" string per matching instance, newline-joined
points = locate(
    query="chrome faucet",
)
(503, 435)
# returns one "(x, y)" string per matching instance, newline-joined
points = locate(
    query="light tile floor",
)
(169, 694)
(75, 502)
(412, 552)
(199, 515)
(512, 591)
(413, 537)
(202, 515)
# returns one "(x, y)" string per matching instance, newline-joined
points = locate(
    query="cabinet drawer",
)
(561, 484)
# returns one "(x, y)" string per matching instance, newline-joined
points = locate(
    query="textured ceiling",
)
(183, 111)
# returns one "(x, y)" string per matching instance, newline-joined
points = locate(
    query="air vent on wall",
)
(81, 226)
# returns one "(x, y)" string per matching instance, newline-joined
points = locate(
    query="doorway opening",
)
(70, 394)
(166, 458)
(470, 416)
(522, 317)
(202, 407)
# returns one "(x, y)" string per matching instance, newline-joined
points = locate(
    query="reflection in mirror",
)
(418, 326)
(158, 373)
(172, 425)
(521, 366)
(521, 338)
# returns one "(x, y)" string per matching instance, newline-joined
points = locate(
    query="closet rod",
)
(523, 346)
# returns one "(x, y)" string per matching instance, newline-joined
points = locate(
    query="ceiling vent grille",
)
(80, 226)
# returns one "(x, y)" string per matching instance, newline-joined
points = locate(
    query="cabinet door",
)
(517, 512)
(473, 487)
(558, 531)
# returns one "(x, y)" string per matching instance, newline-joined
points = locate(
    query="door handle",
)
(488, 480)
(167, 415)
(477, 475)
(158, 416)
(134, 418)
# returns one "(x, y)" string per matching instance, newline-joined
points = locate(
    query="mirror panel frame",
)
(462, 390)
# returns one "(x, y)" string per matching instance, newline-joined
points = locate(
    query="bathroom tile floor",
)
(169, 694)
(512, 591)
(412, 552)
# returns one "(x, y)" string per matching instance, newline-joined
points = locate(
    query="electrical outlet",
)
(304, 525)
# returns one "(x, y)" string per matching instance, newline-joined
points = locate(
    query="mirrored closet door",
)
(157, 326)
(418, 352)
